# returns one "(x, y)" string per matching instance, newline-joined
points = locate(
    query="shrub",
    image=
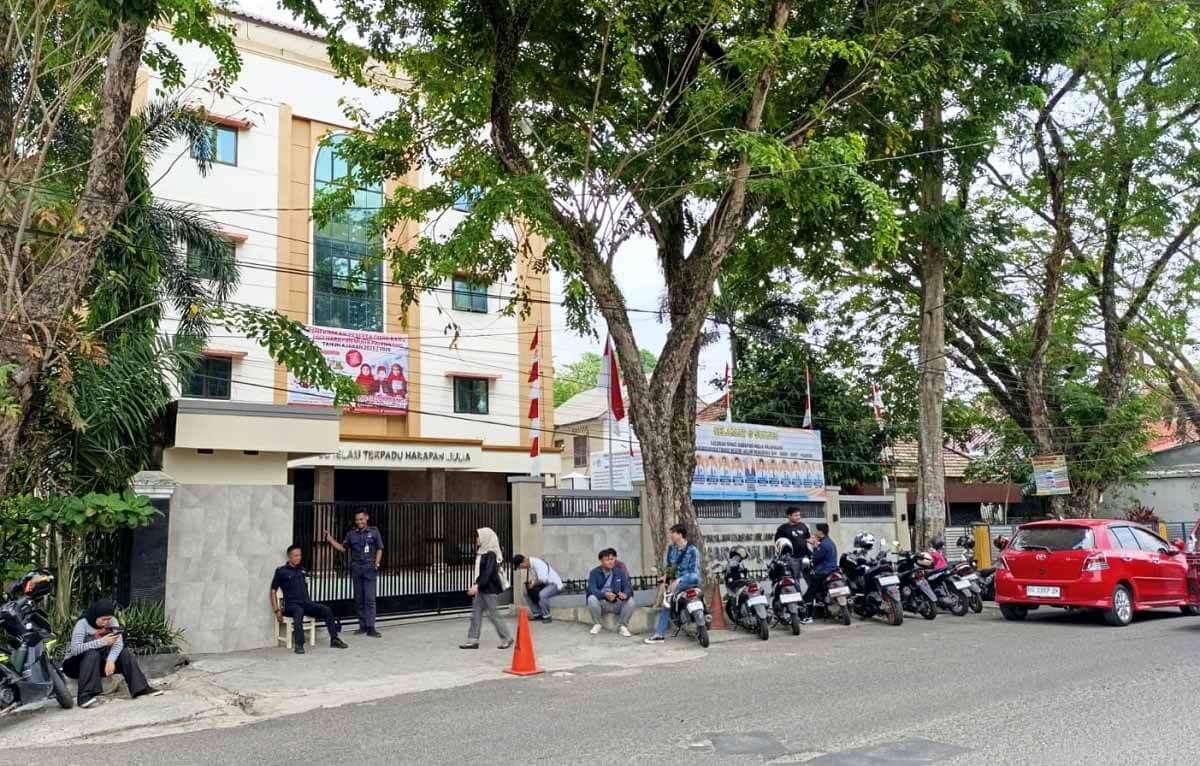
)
(1142, 515)
(147, 627)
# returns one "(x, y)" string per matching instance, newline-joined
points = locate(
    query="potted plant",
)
(150, 634)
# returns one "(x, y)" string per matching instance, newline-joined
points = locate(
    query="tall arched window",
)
(347, 282)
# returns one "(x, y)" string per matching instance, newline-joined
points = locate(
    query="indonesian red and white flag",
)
(535, 394)
(610, 381)
(808, 419)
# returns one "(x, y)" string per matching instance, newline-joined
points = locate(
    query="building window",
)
(348, 278)
(469, 296)
(471, 396)
(219, 145)
(582, 449)
(219, 265)
(211, 380)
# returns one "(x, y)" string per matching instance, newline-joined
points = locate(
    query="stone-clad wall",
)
(225, 542)
(571, 545)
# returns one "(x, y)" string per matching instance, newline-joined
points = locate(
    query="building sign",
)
(416, 456)
(378, 362)
(741, 461)
(626, 469)
(1050, 475)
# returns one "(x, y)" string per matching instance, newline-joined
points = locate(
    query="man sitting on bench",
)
(609, 591)
(289, 578)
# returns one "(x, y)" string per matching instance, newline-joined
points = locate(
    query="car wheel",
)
(1014, 612)
(1121, 612)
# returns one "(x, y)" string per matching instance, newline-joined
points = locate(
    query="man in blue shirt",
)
(609, 591)
(824, 560)
(683, 558)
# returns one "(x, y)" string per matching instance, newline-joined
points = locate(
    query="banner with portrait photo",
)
(740, 461)
(378, 362)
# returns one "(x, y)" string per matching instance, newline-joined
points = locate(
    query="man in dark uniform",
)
(795, 532)
(289, 578)
(366, 552)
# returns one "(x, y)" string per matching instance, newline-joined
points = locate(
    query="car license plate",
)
(835, 592)
(790, 598)
(756, 600)
(1042, 591)
(962, 584)
(889, 580)
(695, 606)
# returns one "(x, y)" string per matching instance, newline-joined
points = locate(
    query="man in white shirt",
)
(542, 583)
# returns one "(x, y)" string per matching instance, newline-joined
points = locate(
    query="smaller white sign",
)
(626, 469)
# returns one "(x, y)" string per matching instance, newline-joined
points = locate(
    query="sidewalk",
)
(246, 687)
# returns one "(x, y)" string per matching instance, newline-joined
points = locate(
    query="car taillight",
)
(1096, 561)
(691, 593)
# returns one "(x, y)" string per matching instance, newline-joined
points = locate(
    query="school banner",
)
(1050, 475)
(378, 362)
(740, 461)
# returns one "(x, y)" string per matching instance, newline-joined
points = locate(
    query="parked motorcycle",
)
(874, 584)
(27, 674)
(916, 595)
(834, 604)
(745, 601)
(787, 587)
(689, 613)
(980, 581)
(948, 588)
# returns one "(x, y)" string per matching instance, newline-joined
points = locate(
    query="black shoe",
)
(547, 618)
(299, 649)
(337, 643)
(361, 631)
(374, 633)
(468, 646)
(536, 618)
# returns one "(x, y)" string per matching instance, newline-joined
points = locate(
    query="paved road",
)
(1059, 688)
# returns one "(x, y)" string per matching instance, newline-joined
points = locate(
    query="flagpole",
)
(611, 485)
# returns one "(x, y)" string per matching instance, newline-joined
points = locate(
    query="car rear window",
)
(1064, 538)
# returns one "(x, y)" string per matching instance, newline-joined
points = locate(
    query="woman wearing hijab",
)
(98, 650)
(490, 582)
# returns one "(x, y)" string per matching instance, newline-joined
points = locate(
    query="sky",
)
(637, 273)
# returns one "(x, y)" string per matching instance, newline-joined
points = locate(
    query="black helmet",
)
(965, 541)
(937, 543)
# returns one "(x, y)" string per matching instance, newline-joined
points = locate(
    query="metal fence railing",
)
(589, 506)
(867, 509)
(774, 509)
(718, 509)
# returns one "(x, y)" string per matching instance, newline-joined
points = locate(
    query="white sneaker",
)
(595, 631)
(625, 632)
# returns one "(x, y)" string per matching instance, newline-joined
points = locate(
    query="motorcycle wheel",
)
(702, 636)
(928, 609)
(845, 614)
(895, 615)
(795, 624)
(764, 629)
(976, 603)
(58, 682)
(958, 607)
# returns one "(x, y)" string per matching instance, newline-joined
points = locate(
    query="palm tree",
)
(93, 423)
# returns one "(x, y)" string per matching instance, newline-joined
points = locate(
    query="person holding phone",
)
(610, 591)
(97, 651)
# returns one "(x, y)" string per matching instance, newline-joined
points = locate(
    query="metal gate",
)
(428, 553)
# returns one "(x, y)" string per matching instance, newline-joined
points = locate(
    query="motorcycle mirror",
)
(1001, 542)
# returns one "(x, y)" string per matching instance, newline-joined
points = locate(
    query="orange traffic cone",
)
(714, 609)
(523, 663)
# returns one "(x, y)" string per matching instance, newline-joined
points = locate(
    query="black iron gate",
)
(428, 552)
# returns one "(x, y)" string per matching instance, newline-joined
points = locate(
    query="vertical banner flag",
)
(877, 403)
(807, 399)
(535, 393)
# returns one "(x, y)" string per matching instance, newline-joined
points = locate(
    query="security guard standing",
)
(366, 552)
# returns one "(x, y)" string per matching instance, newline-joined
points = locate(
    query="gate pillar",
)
(527, 534)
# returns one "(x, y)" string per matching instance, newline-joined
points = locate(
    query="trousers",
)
(540, 599)
(88, 669)
(485, 603)
(301, 609)
(364, 596)
(600, 607)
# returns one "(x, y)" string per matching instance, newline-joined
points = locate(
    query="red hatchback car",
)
(1115, 566)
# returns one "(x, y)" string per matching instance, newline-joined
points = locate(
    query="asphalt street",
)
(1057, 689)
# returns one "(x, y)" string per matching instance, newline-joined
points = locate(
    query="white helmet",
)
(864, 541)
(783, 545)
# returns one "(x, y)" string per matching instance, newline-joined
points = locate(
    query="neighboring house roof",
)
(713, 411)
(1165, 435)
(905, 456)
(583, 406)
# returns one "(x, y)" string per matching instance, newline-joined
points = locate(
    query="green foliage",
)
(148, 628)
(581, 375)
(90, 514)
(22, 542)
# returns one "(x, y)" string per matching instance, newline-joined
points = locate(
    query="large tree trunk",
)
(931, 355)
(56, 270)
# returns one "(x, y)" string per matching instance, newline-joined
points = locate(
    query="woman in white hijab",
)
(490, 582)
